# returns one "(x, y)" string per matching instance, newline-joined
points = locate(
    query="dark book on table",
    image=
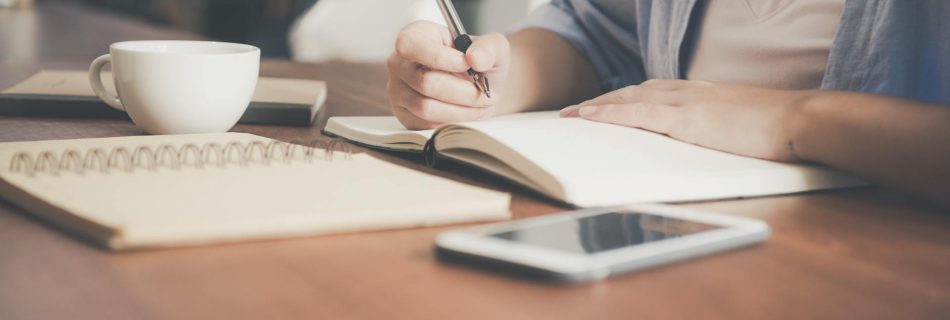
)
(67, 94)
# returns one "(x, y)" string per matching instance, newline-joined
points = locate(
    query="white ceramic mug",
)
(171, 87)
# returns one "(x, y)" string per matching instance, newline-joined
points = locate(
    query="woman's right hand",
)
(428, 80)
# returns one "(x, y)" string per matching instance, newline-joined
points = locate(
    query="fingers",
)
(662, 92)
(570, 112)
(410, 121)
(634, 94)
(654, 117)
(488, 51)
(429, 44)
(405, 117)
(437, 111)
(430, 111)
(666, 84)
(452, 88)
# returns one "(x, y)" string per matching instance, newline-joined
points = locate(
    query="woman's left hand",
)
(744, 120)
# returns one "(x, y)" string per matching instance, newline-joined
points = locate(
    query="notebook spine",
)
(172, 157)
(429, 152)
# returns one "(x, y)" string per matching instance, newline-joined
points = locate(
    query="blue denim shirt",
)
(891, 47)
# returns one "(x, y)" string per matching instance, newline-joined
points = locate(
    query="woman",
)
(862, 86)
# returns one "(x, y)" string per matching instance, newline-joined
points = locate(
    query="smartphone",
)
(594, 244)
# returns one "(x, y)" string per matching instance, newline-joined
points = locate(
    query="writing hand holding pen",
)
(429, 83)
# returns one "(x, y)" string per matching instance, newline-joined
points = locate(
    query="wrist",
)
(802, 123)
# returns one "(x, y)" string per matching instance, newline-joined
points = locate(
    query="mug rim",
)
(137, 46)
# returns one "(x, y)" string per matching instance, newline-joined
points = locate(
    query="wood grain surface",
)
(858, 254)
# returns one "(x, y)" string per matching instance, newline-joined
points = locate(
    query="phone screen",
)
(603, 232)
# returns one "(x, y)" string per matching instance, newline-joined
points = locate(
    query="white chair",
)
(365, 30)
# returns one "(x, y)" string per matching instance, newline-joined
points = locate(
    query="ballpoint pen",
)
(462, 41)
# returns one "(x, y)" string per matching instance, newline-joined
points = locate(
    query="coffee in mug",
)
(172, 87)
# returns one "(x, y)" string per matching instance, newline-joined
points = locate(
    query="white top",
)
(781, 44)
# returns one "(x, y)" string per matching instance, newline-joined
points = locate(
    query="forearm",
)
(546, 73)
(893, 142)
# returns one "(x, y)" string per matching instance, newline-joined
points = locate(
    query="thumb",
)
(488, 51)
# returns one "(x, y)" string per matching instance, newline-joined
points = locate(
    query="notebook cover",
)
(64, 106)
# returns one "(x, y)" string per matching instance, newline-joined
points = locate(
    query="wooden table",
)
(859, 254)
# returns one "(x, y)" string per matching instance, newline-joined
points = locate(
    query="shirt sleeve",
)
(610, 46)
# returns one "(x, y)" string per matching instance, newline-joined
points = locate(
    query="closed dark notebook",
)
(66, 94)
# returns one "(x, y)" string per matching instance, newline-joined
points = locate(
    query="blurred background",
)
(308, 30)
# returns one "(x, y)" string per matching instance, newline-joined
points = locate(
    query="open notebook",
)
(587, 163)
(160, 191)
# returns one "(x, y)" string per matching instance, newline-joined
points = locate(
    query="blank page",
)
(604, 164)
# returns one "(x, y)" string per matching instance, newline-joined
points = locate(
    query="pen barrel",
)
(451, 18)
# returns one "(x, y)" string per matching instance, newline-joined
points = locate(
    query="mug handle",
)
(96, 81)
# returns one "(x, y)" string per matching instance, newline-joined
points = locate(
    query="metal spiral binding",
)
(168, 156)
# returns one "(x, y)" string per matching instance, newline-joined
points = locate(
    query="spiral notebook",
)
(162, 191)
(587, 163)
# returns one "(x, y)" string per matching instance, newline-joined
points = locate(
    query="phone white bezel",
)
(735, 231)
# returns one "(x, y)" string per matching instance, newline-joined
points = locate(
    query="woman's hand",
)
(428, 84)
(743, 120)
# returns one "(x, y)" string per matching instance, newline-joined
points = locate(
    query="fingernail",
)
(587, 110)
(567, 111)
